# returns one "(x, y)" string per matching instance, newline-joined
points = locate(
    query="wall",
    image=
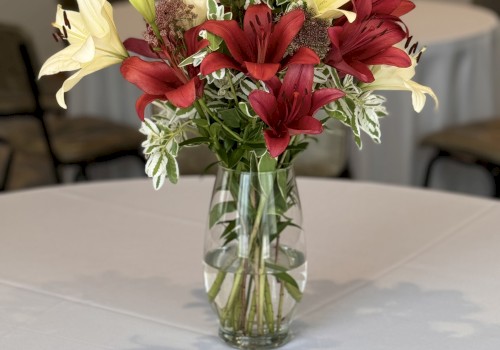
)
(35, 16)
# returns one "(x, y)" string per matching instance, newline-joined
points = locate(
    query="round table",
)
(459, 64)
(116, 265)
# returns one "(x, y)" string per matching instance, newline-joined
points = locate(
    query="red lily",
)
(368, 40)
(259, 48)
(396, 8)
(289, 108)
(160, 81)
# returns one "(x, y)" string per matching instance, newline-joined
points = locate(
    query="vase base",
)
(271, 341)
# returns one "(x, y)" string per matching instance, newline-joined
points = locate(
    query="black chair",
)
(79, 141)
(5, 163)
(472, 143)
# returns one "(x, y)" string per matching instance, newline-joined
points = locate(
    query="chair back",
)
(19, 93)
(18, 89)
(5, 162)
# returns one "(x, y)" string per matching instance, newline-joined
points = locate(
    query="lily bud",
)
(146, 8)
(200, 9)
(330, 9)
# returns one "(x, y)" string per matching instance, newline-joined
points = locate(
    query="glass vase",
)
(254, 258)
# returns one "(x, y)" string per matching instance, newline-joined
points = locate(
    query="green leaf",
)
(232, 236)
(266, 166)
(172, 169)
(214, 41)
(188, 112)
(235, 157)
(195, 141)
(267, 163)
(219, 209)
(215, 130)
(201, 123)
(245, 109)
(285, 277)
(229, 228)
(230, 118)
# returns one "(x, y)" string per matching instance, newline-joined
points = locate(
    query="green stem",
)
(233, 90)
(269, 307)
(251, 314)
(280, 306)
(224, 126)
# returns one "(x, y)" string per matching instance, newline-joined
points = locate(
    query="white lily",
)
(329, 9)
(146, 8)
(93, 43)
(395, 78)
(200, 9)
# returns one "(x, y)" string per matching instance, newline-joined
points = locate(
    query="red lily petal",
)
(389, 35)
(183, 96)
(304, 55)
(283, 33)
(194, 45)
(276, 144)
(405, 7)
(299, 78)
(236, 41)
(334, 34)
(385, 7)
(306, 125)
(215, 61)
(262, 71)
(143, 101)
(362, 8)
(140, 47)
(392, 56)
(324, 96)
(260, 18)
(265, 105)
(361, 71)
(274, 85)
(154, 78)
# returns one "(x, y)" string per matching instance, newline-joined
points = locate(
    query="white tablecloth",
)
(117, 266)
(460, 65)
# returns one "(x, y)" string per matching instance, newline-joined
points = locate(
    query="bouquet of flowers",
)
(246, 77)
(254, 80)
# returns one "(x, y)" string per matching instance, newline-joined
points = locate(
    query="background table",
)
(461, 65)
(118, 266)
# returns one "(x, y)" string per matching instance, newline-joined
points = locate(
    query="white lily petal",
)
(102, 62)
(91, 11)
(78, 32)
(336, 13)
(418, 95)
(86, 52)
(200, 9)
(395, 78)
(329, 9)
(94, 43)
(112, 39)
(60, 62)
(146, 8)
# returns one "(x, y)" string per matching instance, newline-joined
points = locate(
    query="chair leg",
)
(495, 173)
(82, 173)
(3, 184)
(431, 164)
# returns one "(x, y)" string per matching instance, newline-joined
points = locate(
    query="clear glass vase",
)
(255, 261)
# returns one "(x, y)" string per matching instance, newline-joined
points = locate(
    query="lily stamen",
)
(66, 20)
